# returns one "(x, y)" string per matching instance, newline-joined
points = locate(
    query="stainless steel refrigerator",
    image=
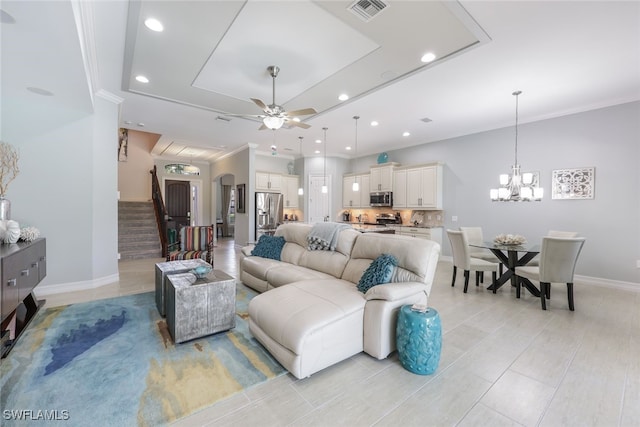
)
(269, 213)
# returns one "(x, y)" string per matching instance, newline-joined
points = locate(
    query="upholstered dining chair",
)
(558, 258)
(552, 233)
(475, 237)
(193, 242)
(463, 260)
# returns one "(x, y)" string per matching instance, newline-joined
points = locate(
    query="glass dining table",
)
(509, 255)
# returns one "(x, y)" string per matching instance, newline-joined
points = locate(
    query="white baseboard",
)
(588, 280)
(75, 286)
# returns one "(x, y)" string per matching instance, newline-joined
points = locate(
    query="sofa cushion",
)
(286, 273)
(379, 271)
(269, 247)
(369, 246)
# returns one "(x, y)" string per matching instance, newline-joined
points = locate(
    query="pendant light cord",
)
(356, 147)
(516, 94)
(325, 157)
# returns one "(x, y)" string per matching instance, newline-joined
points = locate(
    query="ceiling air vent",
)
(367, 9)
(426, 120)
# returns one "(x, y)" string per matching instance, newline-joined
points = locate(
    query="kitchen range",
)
(380, 224)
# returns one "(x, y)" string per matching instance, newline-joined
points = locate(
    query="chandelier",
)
(518, 186)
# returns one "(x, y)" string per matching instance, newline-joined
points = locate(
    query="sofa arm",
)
(246, 250)
(395, 291)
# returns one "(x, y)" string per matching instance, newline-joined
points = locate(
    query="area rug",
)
(112, 362)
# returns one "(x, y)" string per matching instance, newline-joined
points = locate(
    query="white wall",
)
(67, 189)
(608, 139)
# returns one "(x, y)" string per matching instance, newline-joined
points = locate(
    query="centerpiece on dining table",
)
(509, 239)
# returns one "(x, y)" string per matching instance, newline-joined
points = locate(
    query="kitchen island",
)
(372, 228)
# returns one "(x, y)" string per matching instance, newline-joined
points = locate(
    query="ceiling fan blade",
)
(303, 112)
(260, 116)
(263, 127)
(298, 124)
(260, 104)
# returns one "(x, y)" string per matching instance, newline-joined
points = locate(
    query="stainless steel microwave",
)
(381, 198)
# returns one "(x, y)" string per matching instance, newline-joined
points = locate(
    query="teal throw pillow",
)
(269, 247)
(379, 271)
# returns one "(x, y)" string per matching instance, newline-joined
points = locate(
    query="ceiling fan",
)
(275, 116)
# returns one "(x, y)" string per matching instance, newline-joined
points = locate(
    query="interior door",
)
(178, 201)
(319, 202)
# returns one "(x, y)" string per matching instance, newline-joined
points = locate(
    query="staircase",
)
(137, 231)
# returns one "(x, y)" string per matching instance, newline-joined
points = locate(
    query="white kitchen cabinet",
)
(290, 184)
(382, 177)
(267, 181)
(434, 234)
(400, 188)
(424, 187)
(355, 199)
(364, 181)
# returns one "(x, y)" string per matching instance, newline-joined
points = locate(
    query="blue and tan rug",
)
(113, 363)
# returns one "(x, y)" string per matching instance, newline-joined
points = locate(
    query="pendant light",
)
(324, 185)
(518, 186)
(356, 185)
(301, 189)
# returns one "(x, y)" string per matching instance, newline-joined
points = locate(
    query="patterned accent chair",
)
(193, 242)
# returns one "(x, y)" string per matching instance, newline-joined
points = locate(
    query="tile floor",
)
(504, 362)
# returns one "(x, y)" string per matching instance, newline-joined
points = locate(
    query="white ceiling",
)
(212, 57)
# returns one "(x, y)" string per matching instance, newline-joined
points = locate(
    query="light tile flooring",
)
(504, 362)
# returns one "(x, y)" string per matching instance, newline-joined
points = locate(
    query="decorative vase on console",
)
(8, 171)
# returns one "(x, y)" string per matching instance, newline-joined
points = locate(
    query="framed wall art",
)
(574, 184)
(240, 206)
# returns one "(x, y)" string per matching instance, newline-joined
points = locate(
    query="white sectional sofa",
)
(310, 314)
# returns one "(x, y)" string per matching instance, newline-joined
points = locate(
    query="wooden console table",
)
(22, 266)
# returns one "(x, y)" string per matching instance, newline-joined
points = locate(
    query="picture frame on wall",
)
(573, 184)
(240, 199)
(123, 145)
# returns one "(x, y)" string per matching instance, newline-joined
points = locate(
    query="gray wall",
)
(608, 139)
(67, 188)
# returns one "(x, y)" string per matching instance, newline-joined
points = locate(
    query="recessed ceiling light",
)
(40, 91)
(142, 79)
(428, 57)
(318, 141)
(127, 122)
(343, 97)
(347, 148)
(153, 24)
(405, 134)
(317, 152)
(141, 124)
(374, 123)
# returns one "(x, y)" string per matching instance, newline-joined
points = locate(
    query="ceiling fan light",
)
(273, 123)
